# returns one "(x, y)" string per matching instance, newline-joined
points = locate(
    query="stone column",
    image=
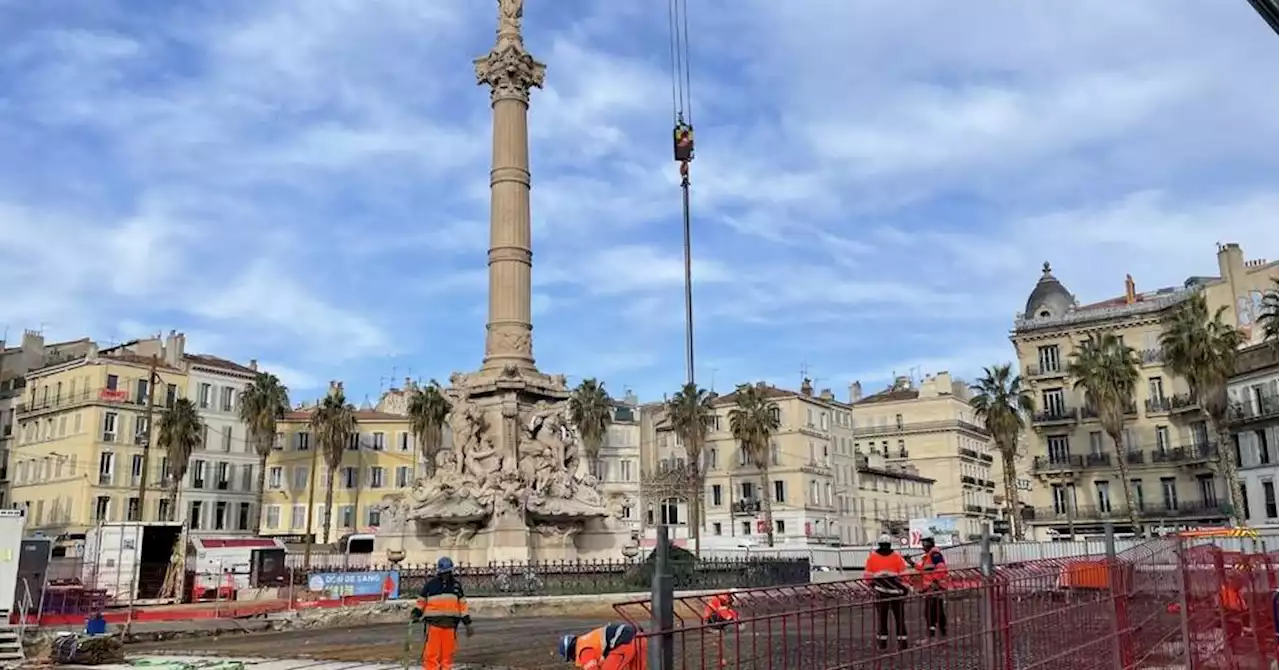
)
(511, 73)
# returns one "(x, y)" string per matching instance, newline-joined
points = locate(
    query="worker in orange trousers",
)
(441, 607)
(616, 646)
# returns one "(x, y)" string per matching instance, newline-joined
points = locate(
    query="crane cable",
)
(681, 98)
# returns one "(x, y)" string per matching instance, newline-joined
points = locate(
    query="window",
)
(1269, 498)
(228, 401)
(626, 470)
(403, 439)
(1155, 389)
(353, 442)
(247, 482)
(1053, 402)
(1104, 496)
(1049, 359)
(242, 516)
(102, 508)
(779, 491)
(298, 517)
(131, 511)
(1063, 496)
(110, 421)
(349, 477)
(780, 526)
(170, 395)
(403, 473)
(670, 512)
(1199, 433)
(717, 495)
(748, 490)
(135, 469)
(197, 474)
(897, 420)
(141, 391)
(1059, 449)
(1135, 490)
(1162, 439)
(163, 511)
(106, 468)
(379, 441)
(1095, 442)
(1169, 492)
(195, 515)
(223, 472)
(377, 477)
(746, 527)
(299, 477)
(203, 395)
(302, 441)
(717, 529)
(1264, 449)
(226, 438)
(374, 514)
(113, 382)
(220, 515)
(1244, 496)
(1208, 490)
(275, 477)
(141, 431)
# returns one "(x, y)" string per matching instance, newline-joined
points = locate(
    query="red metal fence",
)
(1157, 605)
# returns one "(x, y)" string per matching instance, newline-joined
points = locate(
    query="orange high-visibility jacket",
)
(719, 606)
(933, 570)
(591, 649)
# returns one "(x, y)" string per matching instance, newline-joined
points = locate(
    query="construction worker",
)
(884, 570)
(441, 607)
(616, 646)
(719, 611)
(933, 582)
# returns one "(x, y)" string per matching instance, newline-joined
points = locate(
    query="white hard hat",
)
(885, 539)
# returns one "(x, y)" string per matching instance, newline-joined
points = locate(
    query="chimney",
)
(253, 364)
(408, 383)
(1130, 290)
(806, 387)
(827, 395)
(855, 392)
(1230, 259)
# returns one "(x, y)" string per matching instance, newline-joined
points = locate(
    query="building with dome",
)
(1167, 442)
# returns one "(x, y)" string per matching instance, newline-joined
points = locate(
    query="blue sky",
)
(877, 183)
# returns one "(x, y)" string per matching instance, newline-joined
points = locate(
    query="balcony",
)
(1134, 457)
(1045, 372)
(1097, 460)
(1056, 415)
(1184, 402)
(749, 507)
(986, 457)
(1196, 453)
(968, 453)
(966, 479)
(973, 509)
(83, 397)
(987, 483)
(1089, 413)
(1060, 463)
(919, 426)
(1116, 511)
(1261, 409)
(1159, 405)
(1151, 357)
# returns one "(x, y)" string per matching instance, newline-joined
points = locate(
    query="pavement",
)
(516, 644)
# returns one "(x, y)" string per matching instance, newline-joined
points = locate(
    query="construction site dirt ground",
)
(517, 643)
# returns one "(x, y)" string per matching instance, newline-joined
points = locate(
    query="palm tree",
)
(428, 410)
(332, 422)
(1106, 370)
(1269, 319)
(263, 402)
(753, 421)
(690, 413)
(181, 432)
(1202, 350)
(1001, 404)
(591, 410)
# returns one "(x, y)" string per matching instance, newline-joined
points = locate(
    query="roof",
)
(138, 359)
(768, 391)
(360, 414)
(1048, 292)
(210, 361)
(890, 395)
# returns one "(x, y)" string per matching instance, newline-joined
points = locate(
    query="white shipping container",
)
(12, 523)
(129, 560)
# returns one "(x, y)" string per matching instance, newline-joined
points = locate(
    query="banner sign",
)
(385, 583)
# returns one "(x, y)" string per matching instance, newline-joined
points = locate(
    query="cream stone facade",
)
(813, 476)
(618, 467)
(1254, 410)
(1167, 443)
(889, 496)
(932, 427)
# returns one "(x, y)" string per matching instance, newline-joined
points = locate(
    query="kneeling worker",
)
(719, 611)
(442, 606)
(612, 647)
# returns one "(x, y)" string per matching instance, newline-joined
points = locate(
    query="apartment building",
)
(890, 494)
(932, 427)
(1253, 430)
(1166, 442)
(812, 474)
(81, 430)
(15, 361)
(618, 467)
(220, 494)
(380, 458)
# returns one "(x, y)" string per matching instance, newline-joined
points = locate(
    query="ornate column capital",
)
(510, 71)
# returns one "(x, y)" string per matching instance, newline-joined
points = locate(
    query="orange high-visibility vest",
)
(933, 569)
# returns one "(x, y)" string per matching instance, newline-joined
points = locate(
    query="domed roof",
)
(1049, 298)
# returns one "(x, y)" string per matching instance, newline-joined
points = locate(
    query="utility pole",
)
(152, 376)
(311, 506)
